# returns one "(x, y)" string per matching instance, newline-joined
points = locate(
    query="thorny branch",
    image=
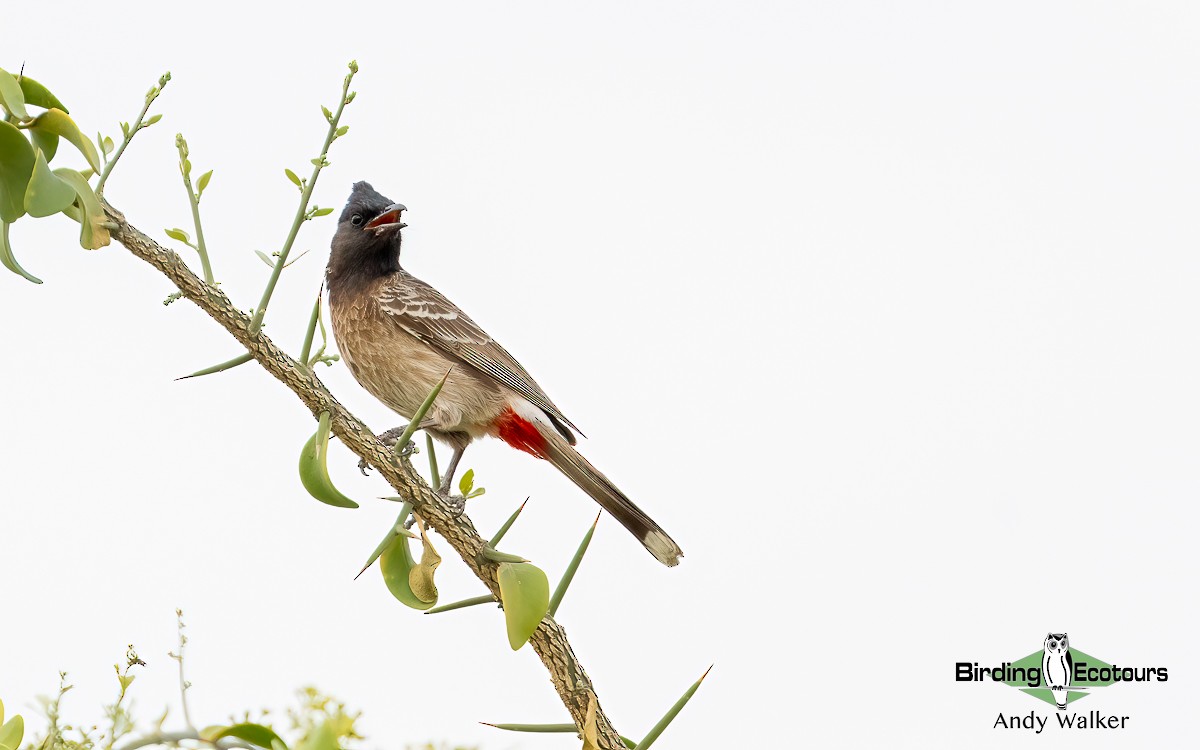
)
(549, 641)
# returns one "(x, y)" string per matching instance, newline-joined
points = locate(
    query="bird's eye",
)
(356, 219)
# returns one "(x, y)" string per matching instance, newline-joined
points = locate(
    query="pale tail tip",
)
(663, 547)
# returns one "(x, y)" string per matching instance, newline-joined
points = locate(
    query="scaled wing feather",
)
(425, 313)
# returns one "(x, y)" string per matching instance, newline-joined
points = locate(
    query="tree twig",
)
(302, 213)
(185, 169)
(549, 641)
(173, 738)
(183, 683)
(129, 133)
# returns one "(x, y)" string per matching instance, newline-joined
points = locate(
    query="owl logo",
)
(1057, 667)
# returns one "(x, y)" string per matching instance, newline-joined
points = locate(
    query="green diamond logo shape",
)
(1079, 688)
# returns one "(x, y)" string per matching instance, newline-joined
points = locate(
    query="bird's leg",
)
(389, 439)
(448, 476)
(457, 503)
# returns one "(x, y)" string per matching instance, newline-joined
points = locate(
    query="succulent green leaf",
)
(328, 115)
(59, 123)
(255, 734)
(47, 193)
(93, 235)
(47, 143)
(39, 96)
(1, 713)
(322, 212)
(525, 594)
(467, 482)
(342, 131)
(8, 260)
(153, 119)
(12, 732)
(16, 167)
(178, 234)
(295, 178)
(314, 470)
(397, 565)
(420, 578)
(203, 182)
(11, 95)
(106, 144)
(265, 258)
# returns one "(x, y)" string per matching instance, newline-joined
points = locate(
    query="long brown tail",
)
(566, 459)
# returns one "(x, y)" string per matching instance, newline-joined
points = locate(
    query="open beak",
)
(389, 219)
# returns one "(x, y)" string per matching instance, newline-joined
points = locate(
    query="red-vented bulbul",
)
(399, 337)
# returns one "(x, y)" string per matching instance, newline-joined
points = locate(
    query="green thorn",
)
(563, 728)
(653, 734)
(507, 525)
(416, 420)
(485, 599)
(397, 528)
(496, 555)
(310, 332)
(239, 360)
(533, 727)
(569, 573)
(433, 467)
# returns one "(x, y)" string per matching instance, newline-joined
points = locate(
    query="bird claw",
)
(457, 503)
(388, 439)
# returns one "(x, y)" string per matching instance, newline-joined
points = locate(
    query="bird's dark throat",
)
(351, 272)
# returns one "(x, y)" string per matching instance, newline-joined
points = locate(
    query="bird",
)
(399, 337)
(1057, 667)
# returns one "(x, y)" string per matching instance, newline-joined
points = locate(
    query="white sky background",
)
(888, 314)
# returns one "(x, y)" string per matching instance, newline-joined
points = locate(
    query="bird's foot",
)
(457, 503)
(389, 439)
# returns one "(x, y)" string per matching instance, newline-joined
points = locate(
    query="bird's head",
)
(1056, 643)
(367, 242)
